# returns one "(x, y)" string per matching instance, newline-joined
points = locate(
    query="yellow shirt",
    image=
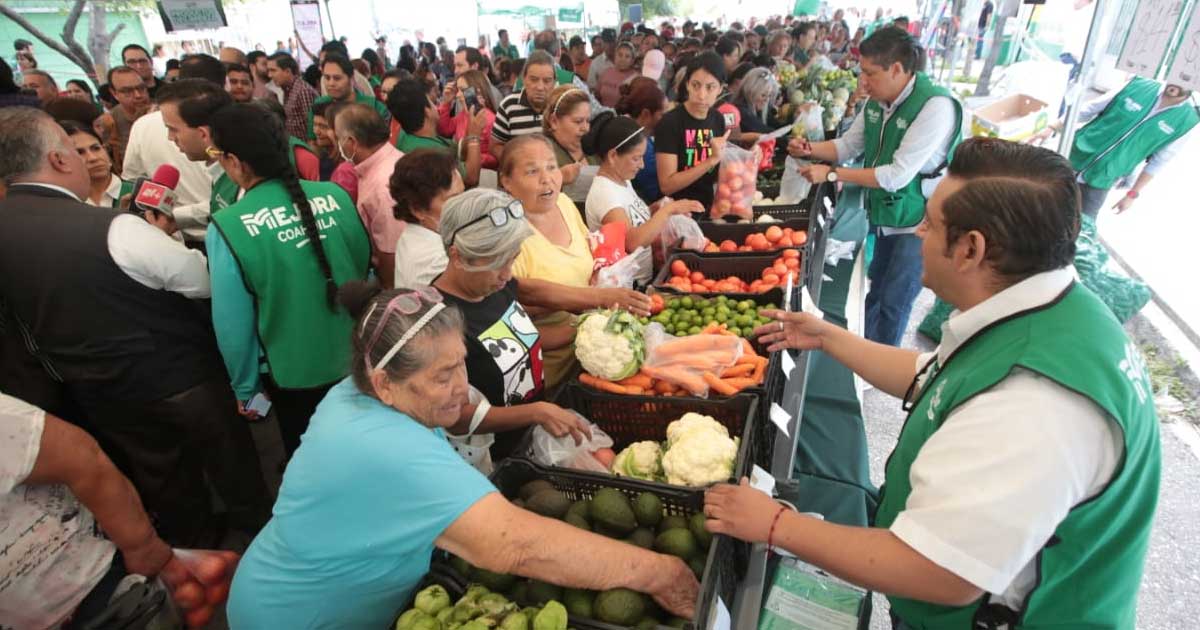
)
(571, 266)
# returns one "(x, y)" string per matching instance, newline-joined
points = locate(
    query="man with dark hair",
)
(337, 79)
(113, 314)
(418, 119)
(466, 58)
(577, 49)
(906, 134)
(239, 83)
(263, 88)
(1023, 485)
(505, 48)
(137, 57)
(805, 48)
(202, 66)
(133, 101)
(298, 96)
(605, 61)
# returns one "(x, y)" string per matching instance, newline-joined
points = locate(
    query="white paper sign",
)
(762, 480)
(809, 305)
(192, 14)
(1149, 36)
(1185, 68)
(787, 363)
(306, 20)
(718, 616)
(781, 418)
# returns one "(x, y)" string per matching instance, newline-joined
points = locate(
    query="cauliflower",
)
(640, 460)
(841, 94)
(611, 355)
(699, 452)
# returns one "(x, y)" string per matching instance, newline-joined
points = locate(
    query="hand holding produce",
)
(559, 422)
(611, 351)
(199, 581)
(627, 299)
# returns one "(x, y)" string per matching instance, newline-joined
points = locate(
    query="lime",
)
(771, 307)
(673, 303)
(745, 305)
(744, 321)
(687, 302)
(694, 330)
(722, 317)
(709, 311)
(737, 331)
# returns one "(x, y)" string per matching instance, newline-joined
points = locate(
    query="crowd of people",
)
(390, 256)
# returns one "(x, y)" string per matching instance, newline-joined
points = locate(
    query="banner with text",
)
(178, 15)
(306, 20)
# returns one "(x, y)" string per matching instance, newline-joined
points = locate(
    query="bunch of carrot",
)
(695, 365)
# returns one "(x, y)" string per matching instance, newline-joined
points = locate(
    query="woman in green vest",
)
(1022, 489)
(277, 256)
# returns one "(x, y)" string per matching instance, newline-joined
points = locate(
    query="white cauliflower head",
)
(610, 355)
(700, 458)
(640, 460)
(690, 423)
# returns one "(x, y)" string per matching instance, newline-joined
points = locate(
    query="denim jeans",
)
(895, 275)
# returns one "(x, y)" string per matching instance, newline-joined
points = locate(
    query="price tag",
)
(762, 480)
(787, 294)
(786, 363)
(781, 418)
(718, 616)
(808, 305)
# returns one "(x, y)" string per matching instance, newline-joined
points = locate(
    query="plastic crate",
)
(727, 559)
(628, 419)
(717, 231)
(760, 300)
(746, 267)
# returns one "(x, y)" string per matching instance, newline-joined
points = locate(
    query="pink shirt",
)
(375, 200)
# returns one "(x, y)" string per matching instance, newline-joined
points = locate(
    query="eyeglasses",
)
(137, 62)
(406, 304)
(127, 91)
(499, 218)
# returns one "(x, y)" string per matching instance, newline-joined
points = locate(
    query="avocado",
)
(676, 542)
(647, 623)
(551, 503)
(611, 509)
(641, 537)
(620, 606)
(673, 521)
(582, 508)
(648, 509)
(696, 525)
(541, 592)
(696, 564)
(579, 602)
(496, 582)
(676, 622)
(534, 487)
(578, 521)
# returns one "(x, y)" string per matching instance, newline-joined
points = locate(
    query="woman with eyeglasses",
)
(376, 487)
(565, 122)
(421, 183)
(622, 142)
(276, 257)
(690, 138)
(482, 231)
(554, 268)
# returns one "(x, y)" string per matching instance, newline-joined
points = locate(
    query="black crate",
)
(746, 267)
(717, 231)
(727, 559)
(628, 419)
(760, 300)
(445, 577)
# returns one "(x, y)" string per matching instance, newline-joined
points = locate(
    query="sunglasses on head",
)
(498, 216)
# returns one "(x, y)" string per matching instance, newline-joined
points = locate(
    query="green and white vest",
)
(225, 191)
(1125, 133)
(905, 207)
(1090, 569)
(306, 342)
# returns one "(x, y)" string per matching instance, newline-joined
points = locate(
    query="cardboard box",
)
(1013, 117)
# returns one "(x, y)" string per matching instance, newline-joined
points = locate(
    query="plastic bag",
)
(562, 451)
(736, 183)
(607, 244)
(476, 449)
(682, 361)
(793, 188)
(681, 231)
(620, 274)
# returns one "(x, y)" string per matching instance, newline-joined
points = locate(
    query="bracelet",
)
(1132, 194)
(470, 139)
(774, 522)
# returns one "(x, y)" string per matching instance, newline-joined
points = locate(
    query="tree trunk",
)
(983, 88)
(71, 53)
(99, 39)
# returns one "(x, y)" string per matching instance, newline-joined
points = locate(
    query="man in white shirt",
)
(1023, 485)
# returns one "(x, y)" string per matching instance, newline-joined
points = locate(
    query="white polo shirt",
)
(993, 483)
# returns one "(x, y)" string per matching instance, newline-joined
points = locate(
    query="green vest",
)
(1090, 570)
(905, 207)
(225, 191)
(1124, 134)
(380, 109)
(126, 189)
(306, 343)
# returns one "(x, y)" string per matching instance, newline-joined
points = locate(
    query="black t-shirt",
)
(690, 139)
(504, 354)
(751, 121)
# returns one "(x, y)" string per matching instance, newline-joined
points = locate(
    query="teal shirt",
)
(363, 499)
(234, 321)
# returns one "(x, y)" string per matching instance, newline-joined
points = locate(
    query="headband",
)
(561, 96)
(412, 332)
(628, 138)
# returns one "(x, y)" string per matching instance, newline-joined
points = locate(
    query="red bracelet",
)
(774, 522)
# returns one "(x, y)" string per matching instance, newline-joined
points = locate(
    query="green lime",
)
(721, 299)
(722, 318)
(687, 302)
(744, 320)
(745, 305)
(694, 330)
(771, 306)
(709, 312)
(673, 303)
(737, 331)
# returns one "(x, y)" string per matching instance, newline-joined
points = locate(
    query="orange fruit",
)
(792, 263)
(774, 233)
(800, 238)
(780, 269)
(679, 268)
(770, 278)
(696, 276)
(791, 253)
(728, 246)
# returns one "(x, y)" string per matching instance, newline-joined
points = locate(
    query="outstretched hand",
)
(791, 331)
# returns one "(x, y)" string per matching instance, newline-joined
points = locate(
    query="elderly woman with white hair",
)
(753, 99)
(482, 231)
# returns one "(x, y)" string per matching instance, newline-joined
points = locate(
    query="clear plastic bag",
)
(476, 449)
(681, 231)
(562, 451)
(682, 361)
(620, 274)
(736, 184)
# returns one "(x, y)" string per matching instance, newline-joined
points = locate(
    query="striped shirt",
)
(515, 118)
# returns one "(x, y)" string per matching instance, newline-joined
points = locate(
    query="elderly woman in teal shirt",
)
(375, 487)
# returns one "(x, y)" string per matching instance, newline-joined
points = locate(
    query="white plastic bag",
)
(686, 370)
(562, 451)
(620, 274)
(793, 187)
(682, 231)
(476, 449)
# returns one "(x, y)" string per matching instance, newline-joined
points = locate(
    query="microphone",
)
(156, 193)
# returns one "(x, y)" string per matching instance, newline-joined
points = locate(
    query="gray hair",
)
(537, 58)
(482, 239)
(43, 74)
(23, 153)
(757, 82)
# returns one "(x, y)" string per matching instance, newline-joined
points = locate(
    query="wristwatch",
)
(832, 177)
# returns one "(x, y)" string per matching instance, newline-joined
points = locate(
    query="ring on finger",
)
(780, 326)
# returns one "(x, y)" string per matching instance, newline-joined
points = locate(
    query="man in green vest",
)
(1022, 488)
(505, 48)
(337, 77)
(1145, 121)
(906, 134)
(418, 118)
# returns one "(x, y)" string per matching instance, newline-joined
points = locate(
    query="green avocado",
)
(642, 537)
(579, 602)
(611, 509)
(534, 487)
(620, 606)
(696, 525)
(676, 542)
(551, 503)
(648, 509)
(541, 592)
(673, 521)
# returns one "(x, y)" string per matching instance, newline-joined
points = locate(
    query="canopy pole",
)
(1087, 69)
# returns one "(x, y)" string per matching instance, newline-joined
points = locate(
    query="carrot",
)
(747, 348)
(740, 383)
(665, 388)
(760, 370)
(691, 343)
(682, 377)
(739, 369)
(637, 380)
(601, 384)
(717, 385)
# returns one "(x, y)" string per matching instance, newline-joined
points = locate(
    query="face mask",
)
(343, 153)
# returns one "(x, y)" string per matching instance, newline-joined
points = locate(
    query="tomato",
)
(189, 595)
(787, 232)
(696, 276)
(744, 248)
(792, 263)
(758, 242)
(728, 246)
(773, 233)
(735, 185)
(199, 617)
(732, 169)
(217, 593)
(724, 191)
(711, 248)
(721, 208)
(679, 268)
(783, 242)
(770, 279)
(605, 456)
(780, 269)
(800, 238)
(791, 253)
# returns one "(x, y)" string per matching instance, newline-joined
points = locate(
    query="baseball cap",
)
(653, 63)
